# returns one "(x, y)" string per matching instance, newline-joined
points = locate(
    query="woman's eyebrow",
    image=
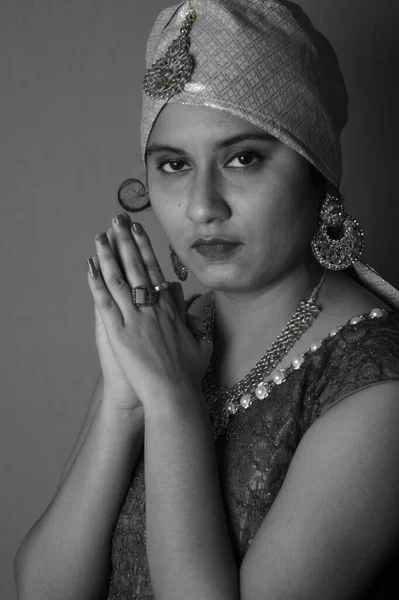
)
(156, 148)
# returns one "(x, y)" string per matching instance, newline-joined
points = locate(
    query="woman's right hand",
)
(117, 389)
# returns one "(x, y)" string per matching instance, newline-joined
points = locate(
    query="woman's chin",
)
(224, 278)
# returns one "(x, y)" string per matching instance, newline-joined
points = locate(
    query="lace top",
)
(257, 447)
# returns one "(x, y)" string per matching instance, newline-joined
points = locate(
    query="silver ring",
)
(162, 286)
(144, 296)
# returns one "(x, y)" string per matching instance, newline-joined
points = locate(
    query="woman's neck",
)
(263, 313)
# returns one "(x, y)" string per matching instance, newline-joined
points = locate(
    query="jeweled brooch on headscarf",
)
(167, 76)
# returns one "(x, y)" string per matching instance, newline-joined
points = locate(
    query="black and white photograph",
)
(200, 300)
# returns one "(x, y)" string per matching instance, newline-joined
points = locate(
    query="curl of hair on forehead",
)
(133, 195)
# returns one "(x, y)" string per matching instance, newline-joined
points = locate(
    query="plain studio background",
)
(71, 76)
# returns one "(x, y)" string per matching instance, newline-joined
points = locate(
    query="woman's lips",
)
(217, 251)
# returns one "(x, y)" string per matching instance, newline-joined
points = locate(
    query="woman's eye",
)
(172, 163)
(247, 159)
(245, 156)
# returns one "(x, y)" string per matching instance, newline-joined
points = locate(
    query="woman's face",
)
(253, 191)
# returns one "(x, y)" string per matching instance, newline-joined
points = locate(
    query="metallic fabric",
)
(262, 61)
(369, 278)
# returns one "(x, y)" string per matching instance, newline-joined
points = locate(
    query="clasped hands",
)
(153, 347)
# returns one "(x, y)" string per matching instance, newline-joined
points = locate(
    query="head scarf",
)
(263, 61)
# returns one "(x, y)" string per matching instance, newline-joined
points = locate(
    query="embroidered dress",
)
(256, 450)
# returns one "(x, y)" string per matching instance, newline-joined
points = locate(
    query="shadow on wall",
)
(371, 172)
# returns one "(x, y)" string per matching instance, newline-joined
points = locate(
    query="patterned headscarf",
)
(261, 60)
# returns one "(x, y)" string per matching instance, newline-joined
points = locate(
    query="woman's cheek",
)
(169, 218)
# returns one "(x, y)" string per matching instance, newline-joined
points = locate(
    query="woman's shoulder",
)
(344, 295)
(358, 346)
(341, 299)
(363, 352)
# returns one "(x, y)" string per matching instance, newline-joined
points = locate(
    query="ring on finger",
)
(162, 286)
(144, 295)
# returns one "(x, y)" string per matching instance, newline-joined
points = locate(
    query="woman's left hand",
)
(154, 345)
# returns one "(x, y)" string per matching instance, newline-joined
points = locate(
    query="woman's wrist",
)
(115, 415)
(179, 400)
(120, 396)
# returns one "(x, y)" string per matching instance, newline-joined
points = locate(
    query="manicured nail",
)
(102, 238)
(137, 228)
(119, 220)
(92, 267)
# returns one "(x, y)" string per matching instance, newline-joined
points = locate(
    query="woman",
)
(263, 474)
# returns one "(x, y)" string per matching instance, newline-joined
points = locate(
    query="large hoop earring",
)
(338, 240)
(178, 267)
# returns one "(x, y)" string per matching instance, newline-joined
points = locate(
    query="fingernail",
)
(102, 238)
(92, 267)
(119, 220)
(137, 228)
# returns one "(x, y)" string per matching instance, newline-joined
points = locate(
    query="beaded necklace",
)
(224, 402)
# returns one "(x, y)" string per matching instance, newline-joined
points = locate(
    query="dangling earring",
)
(338, 240)
(178, 267)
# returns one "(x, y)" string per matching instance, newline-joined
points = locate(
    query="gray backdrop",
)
(71, 74)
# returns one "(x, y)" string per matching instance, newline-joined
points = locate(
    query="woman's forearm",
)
(188, 548)
(66, 554)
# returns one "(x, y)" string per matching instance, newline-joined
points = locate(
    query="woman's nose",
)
(206, 200)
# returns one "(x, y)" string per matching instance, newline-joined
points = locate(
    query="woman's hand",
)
(117, 387)
(153, 345)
